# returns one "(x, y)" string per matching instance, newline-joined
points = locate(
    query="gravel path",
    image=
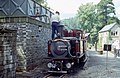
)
(97, 67)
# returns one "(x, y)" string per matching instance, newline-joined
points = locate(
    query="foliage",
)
(105, 9)
(72, 23)
(42, 2)
(86, 14)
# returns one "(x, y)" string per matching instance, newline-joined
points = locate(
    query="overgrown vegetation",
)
(43, 2)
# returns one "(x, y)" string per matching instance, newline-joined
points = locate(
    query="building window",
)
(116, 33)
(111, 33)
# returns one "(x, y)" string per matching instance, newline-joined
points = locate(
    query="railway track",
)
(55, 76)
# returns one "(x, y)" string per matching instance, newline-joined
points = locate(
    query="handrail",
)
(42, 16)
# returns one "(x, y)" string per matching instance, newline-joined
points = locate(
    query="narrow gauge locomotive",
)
(67, 50)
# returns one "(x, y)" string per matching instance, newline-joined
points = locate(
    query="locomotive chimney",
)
(60, 30)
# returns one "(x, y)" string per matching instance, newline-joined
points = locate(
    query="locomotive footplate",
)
(65, 58)
(52, 58)
(57, 72)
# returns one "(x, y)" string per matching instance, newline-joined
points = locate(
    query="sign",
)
(107, 47)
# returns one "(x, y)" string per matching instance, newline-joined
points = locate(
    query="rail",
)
(51, 75)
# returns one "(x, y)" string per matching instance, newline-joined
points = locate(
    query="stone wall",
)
(7, 53)
(31, 44)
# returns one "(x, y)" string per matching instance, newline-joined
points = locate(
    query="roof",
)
(107, 27)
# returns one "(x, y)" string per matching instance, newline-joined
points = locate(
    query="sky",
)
(68, 8)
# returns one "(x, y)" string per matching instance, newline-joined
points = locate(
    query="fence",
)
(24, 8)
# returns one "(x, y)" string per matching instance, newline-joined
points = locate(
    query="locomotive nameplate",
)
(62, 48)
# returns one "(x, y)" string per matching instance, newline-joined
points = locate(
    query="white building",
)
(109, 34)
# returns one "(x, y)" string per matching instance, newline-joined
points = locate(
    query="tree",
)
(105, 8)
(72, 23)
(86, 14)
(42, 2)
(87, 17)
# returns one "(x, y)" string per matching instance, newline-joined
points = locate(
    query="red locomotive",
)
(67, 50)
